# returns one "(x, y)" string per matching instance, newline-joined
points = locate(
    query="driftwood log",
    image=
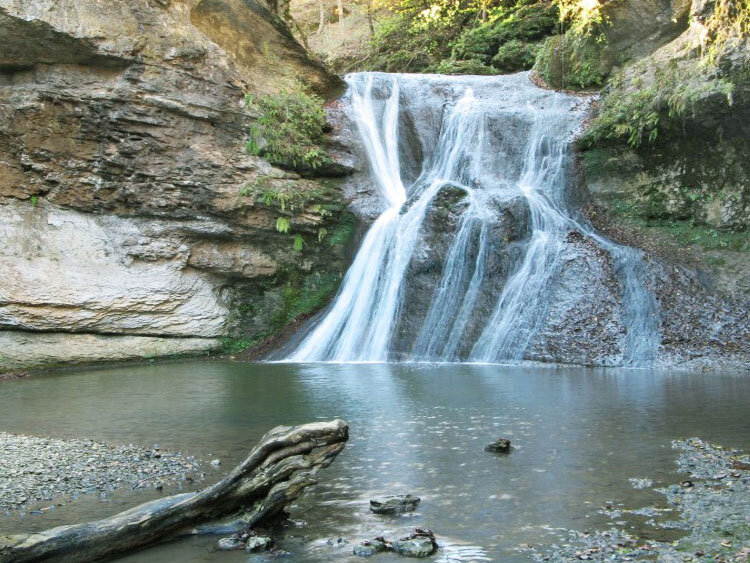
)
(274, 474)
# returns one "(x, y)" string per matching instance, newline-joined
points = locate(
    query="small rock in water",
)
(230, 544)
(397, 504)
(215, 462)
(419, 544)
(258, 543)
(502, 445)
(368, 548)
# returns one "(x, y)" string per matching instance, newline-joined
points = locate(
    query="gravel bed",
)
(40, 470)
(714, 511)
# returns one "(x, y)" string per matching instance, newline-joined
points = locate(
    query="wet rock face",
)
(122, 130)
(583, 321)
(507, 234)
(701, 328)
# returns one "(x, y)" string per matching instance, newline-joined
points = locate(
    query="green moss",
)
(684, 232)
(289, 129)
(303, 295)
(342, 234)
(572, 61)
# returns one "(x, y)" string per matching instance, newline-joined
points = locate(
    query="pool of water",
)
(578, 435)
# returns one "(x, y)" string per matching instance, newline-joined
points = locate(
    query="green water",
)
(579, 434)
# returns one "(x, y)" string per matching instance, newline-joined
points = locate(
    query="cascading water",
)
(495, 141)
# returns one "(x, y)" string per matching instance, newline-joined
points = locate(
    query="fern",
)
(282, 225)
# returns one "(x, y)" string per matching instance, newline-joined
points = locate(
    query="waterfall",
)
(494, 141)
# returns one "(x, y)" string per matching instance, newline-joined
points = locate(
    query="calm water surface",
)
(579, 435)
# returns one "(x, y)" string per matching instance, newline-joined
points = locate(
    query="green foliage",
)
(398, 46)
(515, 55)
(290, 199)
(282, 225)
(520, 24)
(452, 37)
(729, 21)
(640, 115)
(571, 61)
(474, 67)
(34, 201)
(289, 130)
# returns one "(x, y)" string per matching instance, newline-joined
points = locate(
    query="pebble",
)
(36, 469)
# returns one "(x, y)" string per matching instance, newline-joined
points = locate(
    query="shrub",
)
(515, 55)
(289, 130)
(463, 67)
(636, 115)
(519, 22)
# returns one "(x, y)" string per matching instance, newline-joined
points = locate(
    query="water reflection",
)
(579, 435)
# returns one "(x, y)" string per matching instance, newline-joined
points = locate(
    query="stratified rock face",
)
(638, 27)
(122, 163)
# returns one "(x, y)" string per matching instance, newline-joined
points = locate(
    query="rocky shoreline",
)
(714, 514)
(35, 471)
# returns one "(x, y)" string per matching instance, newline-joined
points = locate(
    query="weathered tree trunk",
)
(321, 16)
(369, 18)
(273, 475)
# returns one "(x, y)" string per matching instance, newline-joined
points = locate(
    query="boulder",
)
(501, 445)
(397, 504)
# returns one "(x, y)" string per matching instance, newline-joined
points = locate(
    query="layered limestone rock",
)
(129, 209)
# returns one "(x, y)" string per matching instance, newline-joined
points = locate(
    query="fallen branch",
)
(274, 474)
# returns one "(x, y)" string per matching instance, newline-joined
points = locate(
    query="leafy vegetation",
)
(641, 115)
(287, 198)
(729, 21)
(289, 130)
(461, 36)
(571, 61)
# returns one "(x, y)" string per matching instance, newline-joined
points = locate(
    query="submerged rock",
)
(258, 543)
(368, 548)
(397, 504)
(501, 445)
(230, 544)
(419, 544)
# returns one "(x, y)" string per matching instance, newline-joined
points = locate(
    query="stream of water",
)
(496, 139)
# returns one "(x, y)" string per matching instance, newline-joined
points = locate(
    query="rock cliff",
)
(130, 213)
(667, 156)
